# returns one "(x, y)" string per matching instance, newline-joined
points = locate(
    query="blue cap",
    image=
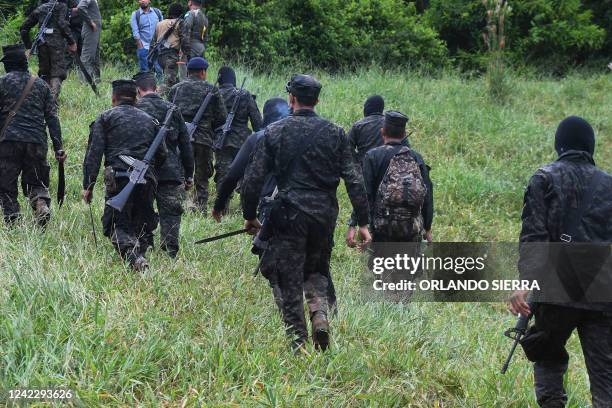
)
(197, 64)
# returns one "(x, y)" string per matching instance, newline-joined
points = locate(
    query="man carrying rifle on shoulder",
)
(166, 44)
(121, 135)
(203, 108)
(50, 42)
(241, 108)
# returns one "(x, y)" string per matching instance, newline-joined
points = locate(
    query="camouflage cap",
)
(395, 119)
(304, 85)
(141, 77)
(15, 52)
(125, 86)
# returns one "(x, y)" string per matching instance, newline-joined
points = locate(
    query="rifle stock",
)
(40, 36)
(220, 141)
(193, 125)
(139, 168)
(517, 333)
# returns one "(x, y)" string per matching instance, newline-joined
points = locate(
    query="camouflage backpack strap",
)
(13, 112)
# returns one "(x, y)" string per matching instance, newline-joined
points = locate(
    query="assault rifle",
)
(220, 141)
(155, 51)
(222, 236)
(517, 333)
(40, 37)
(193, 125)
(139, 168)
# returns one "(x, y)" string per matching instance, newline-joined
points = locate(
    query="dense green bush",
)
(552, 33)
(334, 34)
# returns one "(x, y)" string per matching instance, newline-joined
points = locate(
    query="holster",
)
(110, 182)
(542, 346)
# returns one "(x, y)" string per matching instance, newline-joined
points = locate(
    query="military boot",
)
(320, 330)
(42, 212)
(140, 264)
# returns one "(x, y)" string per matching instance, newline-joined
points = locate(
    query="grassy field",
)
(202, 331)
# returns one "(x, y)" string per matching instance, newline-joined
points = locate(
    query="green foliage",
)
(553, 34)
(344, 34)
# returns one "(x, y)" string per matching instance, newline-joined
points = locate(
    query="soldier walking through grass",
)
(124, 130)
(308, 155)
(175, 175)
(26, 109)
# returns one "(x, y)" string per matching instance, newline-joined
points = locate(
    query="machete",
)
(86, 74)
(61, 183)
(222, 236)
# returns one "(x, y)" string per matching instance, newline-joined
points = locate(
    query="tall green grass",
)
(201, 331)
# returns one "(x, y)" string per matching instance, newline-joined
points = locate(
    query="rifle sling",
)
(13, 112)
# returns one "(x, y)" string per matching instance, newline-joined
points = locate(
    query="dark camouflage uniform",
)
(124, 130)
(304, 217)
(188, 95)
(52, 54)
(235, 138)
(171, 175)
(366, 135)
(195, 33)
(23, 149)
(169, 54)
(375, 166)
(552, 191)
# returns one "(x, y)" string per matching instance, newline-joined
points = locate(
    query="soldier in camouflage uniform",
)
(176, 174)
(171, 48)
(23, 144)
(124, 130)
(188, 95)
(552, 195)
(375, 166)
(246, 110)
(52, 53)
(195, 31)
(365, 133)
(308, 155)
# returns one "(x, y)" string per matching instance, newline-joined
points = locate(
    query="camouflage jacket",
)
(375, 166)
(188, 95)
(121, 130)
(365, 135)
(194, 32)
(37, 110)
(559, 185)
(179, 163)
(308, 182)
(58, 28)
(246, 110)
(553, 191)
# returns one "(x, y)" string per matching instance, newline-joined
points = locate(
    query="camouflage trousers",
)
(30, 161)
(52, 67)
(203, 157)
(223, 161)
(595, 332)
(297, 264)
(129, 229)
(170, 196)
(168, 60)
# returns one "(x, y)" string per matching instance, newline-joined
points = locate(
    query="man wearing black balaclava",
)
(568, 204)
(365, 134)
(23, 137)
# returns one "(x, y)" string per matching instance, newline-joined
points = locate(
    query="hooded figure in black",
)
(568, 210)
(365, 133)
